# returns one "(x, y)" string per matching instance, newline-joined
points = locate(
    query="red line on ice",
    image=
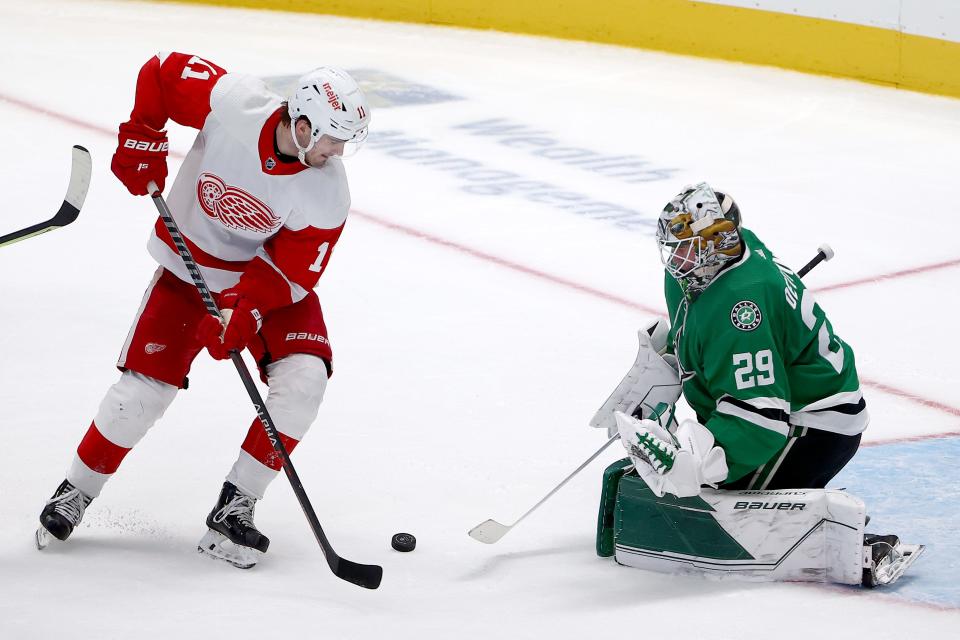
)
(503, 262)
(893, 275)
(530, 271)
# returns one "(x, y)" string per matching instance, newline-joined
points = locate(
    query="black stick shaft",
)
(363, 575)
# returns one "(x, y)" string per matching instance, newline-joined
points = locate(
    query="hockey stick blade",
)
(489, 531)
(367, 576)
(80, 170)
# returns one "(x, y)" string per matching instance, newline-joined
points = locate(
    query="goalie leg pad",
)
(810, 535)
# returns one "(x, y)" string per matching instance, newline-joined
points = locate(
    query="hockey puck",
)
(403, 542)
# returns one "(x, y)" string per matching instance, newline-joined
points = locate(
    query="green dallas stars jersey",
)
(759, 361)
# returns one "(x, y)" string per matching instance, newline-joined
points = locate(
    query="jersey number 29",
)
(753, 371)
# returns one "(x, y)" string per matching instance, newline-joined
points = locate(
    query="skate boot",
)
(232, 536)
(885, 559)
(62, 513)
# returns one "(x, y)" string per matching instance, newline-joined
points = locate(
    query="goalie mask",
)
(698, 233)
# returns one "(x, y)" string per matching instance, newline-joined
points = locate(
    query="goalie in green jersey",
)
(758, 361)
(779, 412)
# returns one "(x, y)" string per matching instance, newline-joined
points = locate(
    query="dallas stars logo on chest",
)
(234, 207)
(746, 315)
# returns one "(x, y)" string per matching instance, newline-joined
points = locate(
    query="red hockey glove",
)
(240, 323)
(141, 156)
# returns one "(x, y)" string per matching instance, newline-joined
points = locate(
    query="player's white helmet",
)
(698, 232)
(333, 103)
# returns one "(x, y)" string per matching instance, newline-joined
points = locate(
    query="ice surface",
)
(478, 321)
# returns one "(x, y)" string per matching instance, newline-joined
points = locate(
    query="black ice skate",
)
(232, 536)
(885, 559)
(62, 513)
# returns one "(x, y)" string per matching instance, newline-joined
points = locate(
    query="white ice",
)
(463, 384)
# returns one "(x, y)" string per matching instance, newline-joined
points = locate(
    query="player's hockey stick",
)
(70, 209)
(364, 575)
(490, 531)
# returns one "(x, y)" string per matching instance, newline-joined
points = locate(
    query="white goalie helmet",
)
(698, 232)
(333, 103)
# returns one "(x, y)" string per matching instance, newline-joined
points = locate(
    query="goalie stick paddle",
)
(490, 531)
(364, 575)
(72, 202)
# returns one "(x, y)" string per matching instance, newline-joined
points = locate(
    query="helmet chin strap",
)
(301, 151)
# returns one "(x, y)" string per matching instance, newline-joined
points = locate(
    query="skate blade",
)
(42, 538)
(890, 572)
(218, 546)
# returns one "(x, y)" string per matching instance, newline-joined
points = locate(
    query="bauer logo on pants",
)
(746, 316)
(315, 337)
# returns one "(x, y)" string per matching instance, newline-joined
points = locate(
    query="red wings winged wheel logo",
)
(233, 206)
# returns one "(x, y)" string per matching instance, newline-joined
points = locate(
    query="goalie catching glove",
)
(677, 464)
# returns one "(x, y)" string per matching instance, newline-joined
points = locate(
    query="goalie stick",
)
(490, 531)
(364, 575)
(72, 202)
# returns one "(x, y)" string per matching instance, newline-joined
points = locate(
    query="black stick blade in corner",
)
(363, 575)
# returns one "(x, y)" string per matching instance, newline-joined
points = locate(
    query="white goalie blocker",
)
(652, 381)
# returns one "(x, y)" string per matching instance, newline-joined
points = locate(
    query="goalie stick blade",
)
(367, 576)
(488, 532)
(80, 170)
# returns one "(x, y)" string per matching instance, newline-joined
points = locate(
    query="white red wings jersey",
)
(253, 222)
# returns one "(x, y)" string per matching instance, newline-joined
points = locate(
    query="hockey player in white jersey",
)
(261, 200)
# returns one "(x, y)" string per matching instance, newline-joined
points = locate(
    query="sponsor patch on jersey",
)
(746, 316)
(233, 206)
(270, 163)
